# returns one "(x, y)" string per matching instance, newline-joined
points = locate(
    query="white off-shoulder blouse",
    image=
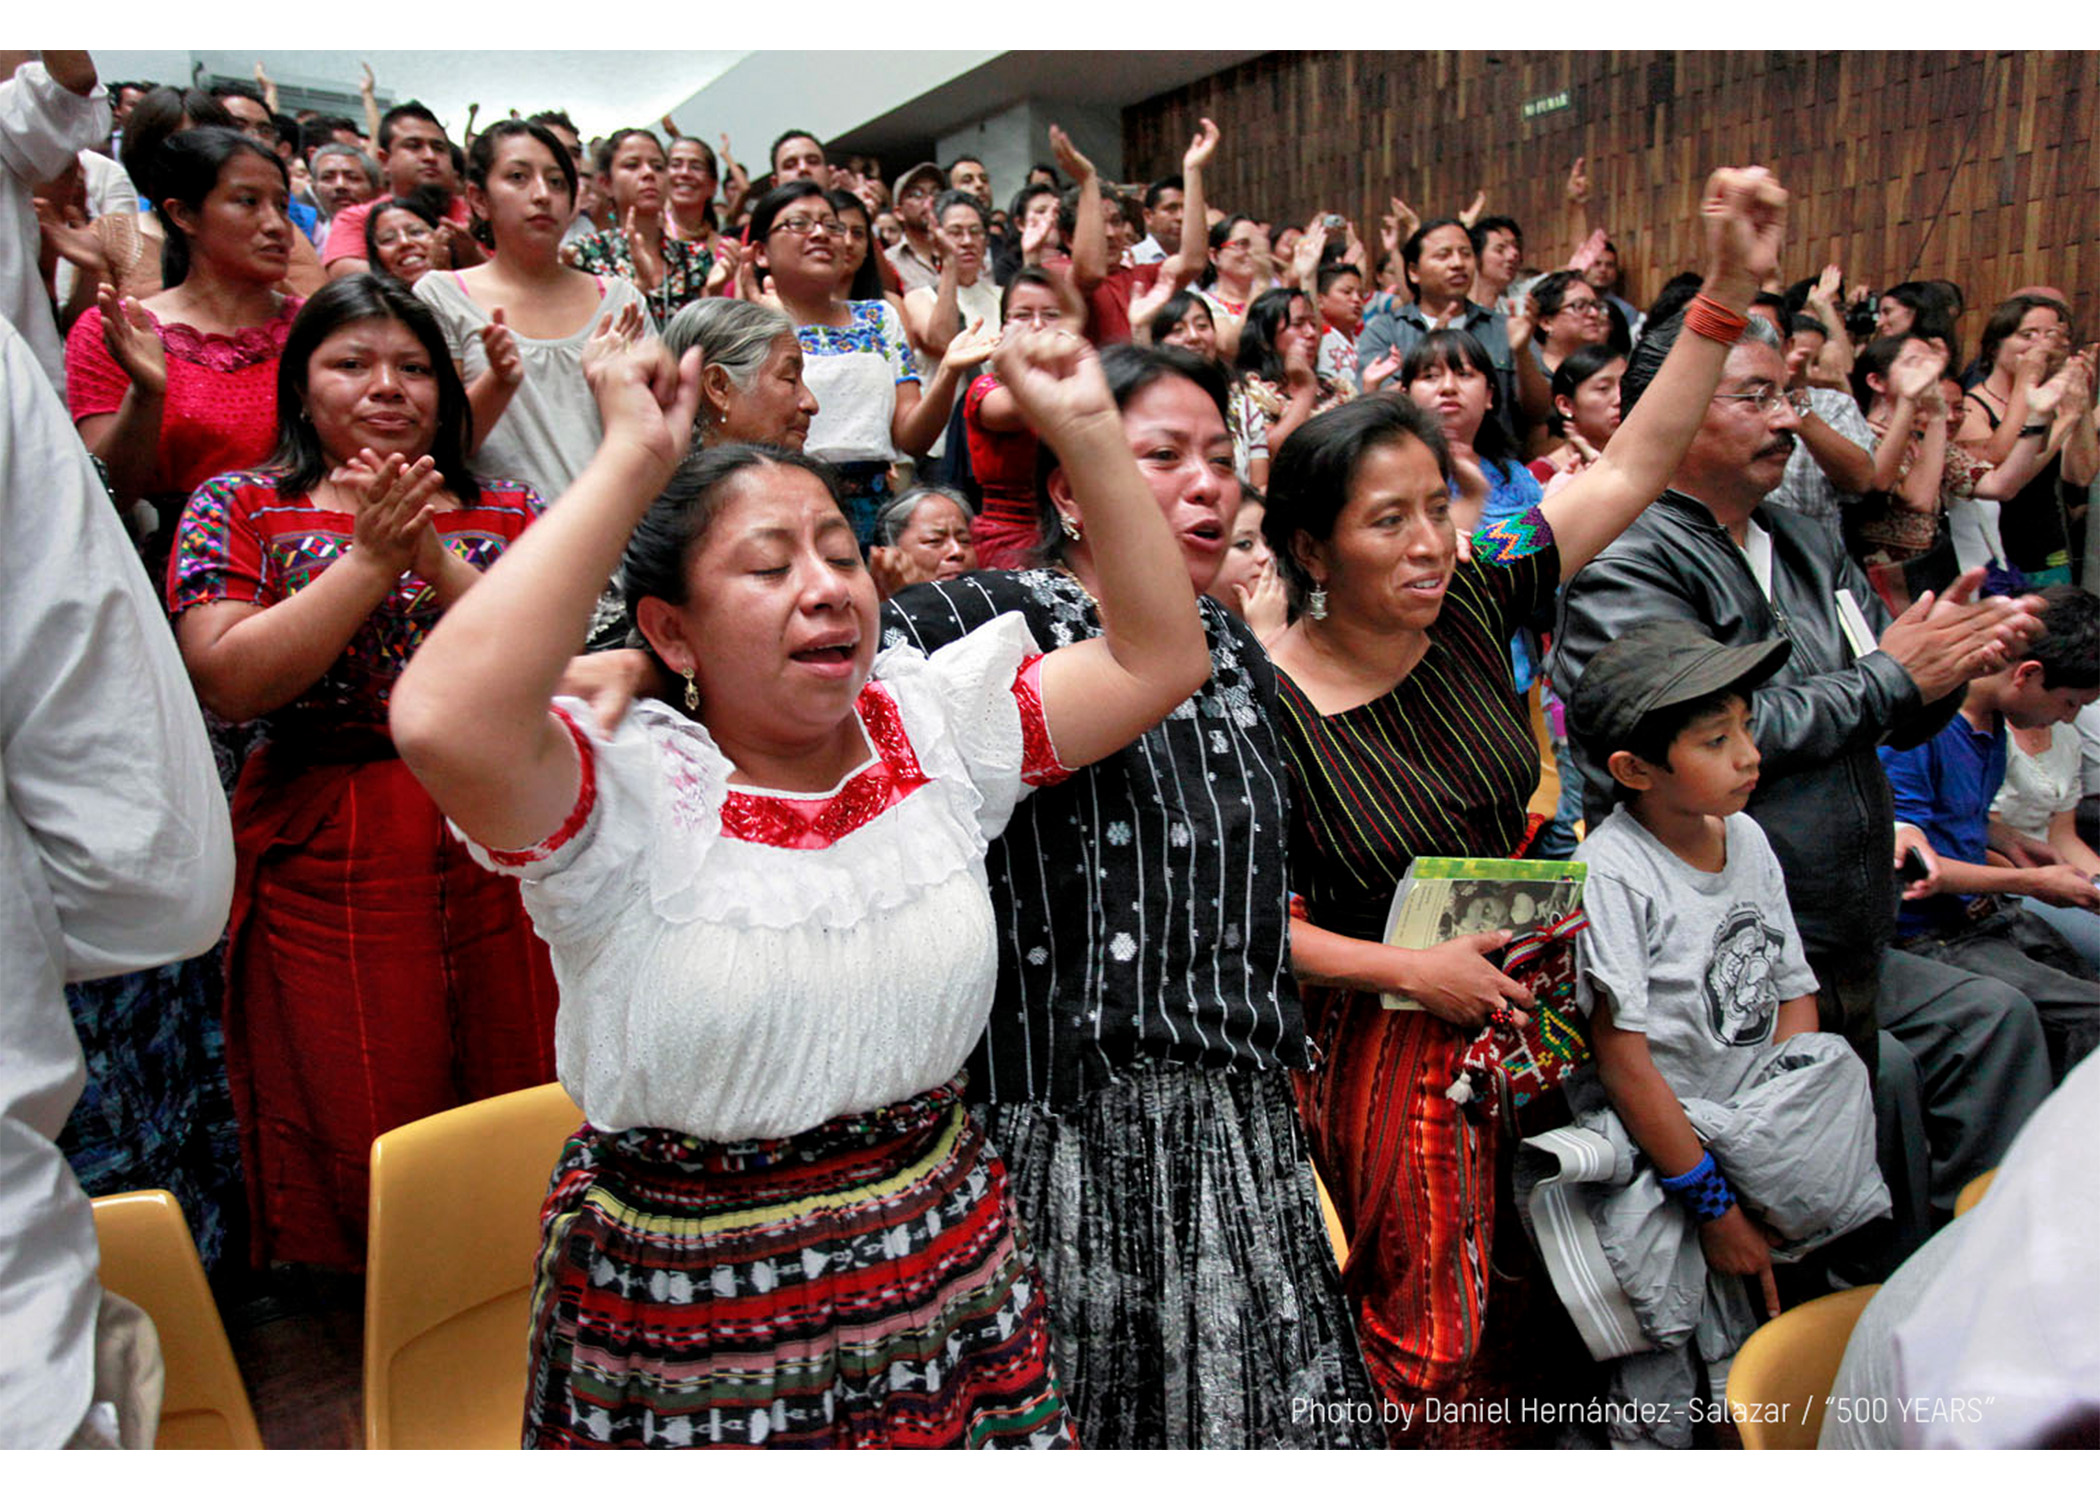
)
(737, 963)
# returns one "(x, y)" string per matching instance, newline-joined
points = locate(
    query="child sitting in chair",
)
(1748, 1133)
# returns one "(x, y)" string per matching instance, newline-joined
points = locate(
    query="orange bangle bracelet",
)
(1714, 320)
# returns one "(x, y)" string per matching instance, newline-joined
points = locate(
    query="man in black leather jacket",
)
(1958, 1065)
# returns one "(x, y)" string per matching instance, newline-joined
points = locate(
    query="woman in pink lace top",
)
(182, 386)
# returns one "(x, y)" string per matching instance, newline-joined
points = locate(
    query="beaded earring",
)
(1316, 604)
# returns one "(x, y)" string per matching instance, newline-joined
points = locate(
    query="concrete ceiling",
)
(1108, 80)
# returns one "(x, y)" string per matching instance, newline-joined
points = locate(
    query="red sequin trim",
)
(586, 799)
(1039, 763)
(813, 823)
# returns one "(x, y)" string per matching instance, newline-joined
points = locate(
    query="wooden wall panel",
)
(1978, 166)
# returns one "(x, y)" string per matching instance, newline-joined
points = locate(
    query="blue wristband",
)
(1703, 1190)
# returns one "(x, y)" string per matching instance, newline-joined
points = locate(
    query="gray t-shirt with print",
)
(1698, 961)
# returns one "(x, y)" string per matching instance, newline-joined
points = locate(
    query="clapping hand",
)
(1398, 227)
(723, 271)
(133, 340)
(1386, 366)
(456, 245)
(1522, 321)
(1745, 213)
(1914, 372)
(648, 266)
(1826, 287)
(396, 502)
(500, 346)
(973, 346)
(645, 400)
(1305, 256)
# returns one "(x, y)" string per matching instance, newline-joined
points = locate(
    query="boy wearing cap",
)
(1693, 980)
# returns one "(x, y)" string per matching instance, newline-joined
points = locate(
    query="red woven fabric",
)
(377, 976)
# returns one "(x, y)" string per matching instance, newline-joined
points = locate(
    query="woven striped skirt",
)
(863, 1284)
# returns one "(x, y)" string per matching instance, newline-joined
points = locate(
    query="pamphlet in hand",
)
(1443, 899)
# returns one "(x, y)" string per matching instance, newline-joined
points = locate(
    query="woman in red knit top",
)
(181, 386)
(1002, 449)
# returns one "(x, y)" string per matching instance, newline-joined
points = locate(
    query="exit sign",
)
(1546, 104)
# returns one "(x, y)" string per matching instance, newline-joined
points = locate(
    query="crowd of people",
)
(914, 709)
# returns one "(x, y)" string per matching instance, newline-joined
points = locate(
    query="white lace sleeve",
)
(979, 696)
(589, 868)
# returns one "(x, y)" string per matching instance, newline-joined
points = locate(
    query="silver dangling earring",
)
(1071, 527)
(692, 693)
(1316, 604)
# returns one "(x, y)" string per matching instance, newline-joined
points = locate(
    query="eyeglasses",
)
(917, 190)
(1586, 305)
(964, 234)
(1768, 399)
(804, 224)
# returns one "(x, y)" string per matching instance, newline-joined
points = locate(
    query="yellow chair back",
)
(455, 1233)
(149, 1258)
(1785, 1369)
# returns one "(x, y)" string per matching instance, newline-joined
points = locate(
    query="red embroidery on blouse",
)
(227, 352)
(586, 798)
(818, 823)
(1039, 763)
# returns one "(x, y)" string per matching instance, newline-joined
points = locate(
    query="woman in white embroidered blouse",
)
(770, 924)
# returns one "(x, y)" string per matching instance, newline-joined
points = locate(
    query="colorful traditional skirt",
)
(1191, 1281)
(860, 1285)
(376, 975)
(154, 1112)
(1458, 1326)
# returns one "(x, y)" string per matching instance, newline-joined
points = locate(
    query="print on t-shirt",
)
(1742, 999)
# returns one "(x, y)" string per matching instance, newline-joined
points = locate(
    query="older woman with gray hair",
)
(751, 391)
(922, 536)
(751, 388)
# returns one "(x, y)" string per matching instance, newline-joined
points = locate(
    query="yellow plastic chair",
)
(455, 1232)
(1335, 1235)
(1786, 1368)
(1972, 1194)
(149, 1258)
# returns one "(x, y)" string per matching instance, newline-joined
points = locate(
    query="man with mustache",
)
(1958, 1060)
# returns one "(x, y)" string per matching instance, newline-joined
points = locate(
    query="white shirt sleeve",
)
(116, 854)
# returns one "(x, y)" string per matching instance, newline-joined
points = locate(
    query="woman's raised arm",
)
(470, 714)
(1101, 694)
(1745, 212)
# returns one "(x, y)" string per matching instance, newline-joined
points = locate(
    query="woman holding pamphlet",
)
(1394, 680)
